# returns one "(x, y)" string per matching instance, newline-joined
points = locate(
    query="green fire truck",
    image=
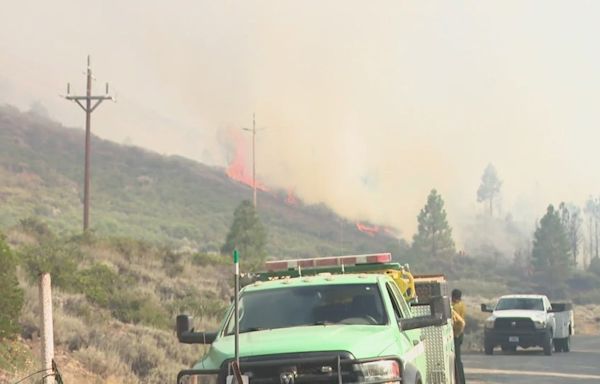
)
(348, 319)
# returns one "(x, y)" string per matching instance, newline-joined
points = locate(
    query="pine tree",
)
(550, 244)
(247, 234)
(434, 237)
(489, 187)
(570, 217)
(592, 212)
(11, 297)
(550, 255)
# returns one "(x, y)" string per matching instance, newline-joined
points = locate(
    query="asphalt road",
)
(531, 366)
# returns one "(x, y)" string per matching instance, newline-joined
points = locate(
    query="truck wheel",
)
(509, 348)
(489, 349)
(558, 345)
(548, 344)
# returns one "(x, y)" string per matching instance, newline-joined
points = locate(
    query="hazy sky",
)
(366, 105)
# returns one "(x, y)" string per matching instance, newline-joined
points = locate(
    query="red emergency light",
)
(324, 262)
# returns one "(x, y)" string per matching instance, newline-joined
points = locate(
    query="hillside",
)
(156, 221)
(114, 304)
(141, 194)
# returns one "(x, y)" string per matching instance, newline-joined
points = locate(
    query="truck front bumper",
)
(296, 368)
(525, 339)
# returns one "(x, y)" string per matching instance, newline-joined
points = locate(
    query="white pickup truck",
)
(528, 321)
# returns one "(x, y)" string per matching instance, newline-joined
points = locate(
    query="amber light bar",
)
(317, 262)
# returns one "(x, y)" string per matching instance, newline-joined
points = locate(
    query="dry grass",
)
(92, 346)
(587, 319)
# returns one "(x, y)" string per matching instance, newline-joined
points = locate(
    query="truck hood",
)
(361, 340)
(531, 314)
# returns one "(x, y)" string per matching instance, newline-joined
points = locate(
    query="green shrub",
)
(198, 306)
(594, 266)
(35, 227)
(131, 248)
(104, 287)
(70, 332)
(587, 297)
(104, 363)
(15, 356)
(173, 263)
(56, 257)
(205, 259)
(135, 307)
(11, 295)
(583, 281)
(99, 283)
(80, 307)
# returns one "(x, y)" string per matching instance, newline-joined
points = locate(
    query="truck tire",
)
(509, 349)
(548, 344)
(558, 345)
(489, 349)
(567, 344)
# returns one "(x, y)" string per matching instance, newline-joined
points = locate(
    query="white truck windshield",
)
(310, 305)
(520, 303)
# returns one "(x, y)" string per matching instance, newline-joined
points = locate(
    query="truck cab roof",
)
(524, 296)
(320, 279)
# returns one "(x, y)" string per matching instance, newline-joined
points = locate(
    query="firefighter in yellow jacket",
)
(458, 325)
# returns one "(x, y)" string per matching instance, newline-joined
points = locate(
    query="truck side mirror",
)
(485, 308)
(440, 312)
(419, 322)
(441, 308)
(186, 334)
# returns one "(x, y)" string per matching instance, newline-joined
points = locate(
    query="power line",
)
(85, 102)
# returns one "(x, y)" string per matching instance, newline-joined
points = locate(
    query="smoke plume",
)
(363, 106)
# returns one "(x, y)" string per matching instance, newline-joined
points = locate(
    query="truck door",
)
(413, 348)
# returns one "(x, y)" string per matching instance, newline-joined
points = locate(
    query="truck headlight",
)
(193, 378)
(489, 323)
(378, 371)
(539, 324)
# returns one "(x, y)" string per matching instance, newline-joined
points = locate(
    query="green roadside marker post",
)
(236, 263)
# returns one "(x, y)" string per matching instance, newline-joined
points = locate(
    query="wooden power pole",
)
(88, 103)
(253, 131)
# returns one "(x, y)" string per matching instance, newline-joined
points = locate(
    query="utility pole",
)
(88, 108)
(253, 130)
(47, 329)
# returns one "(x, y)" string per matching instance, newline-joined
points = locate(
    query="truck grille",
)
(514, 323)
(311, 367)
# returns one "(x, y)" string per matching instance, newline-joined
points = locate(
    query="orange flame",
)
(291, 198)
(237, 169)
(369, 230)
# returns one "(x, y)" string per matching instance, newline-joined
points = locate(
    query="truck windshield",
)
(310, 305)
(520, 303)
